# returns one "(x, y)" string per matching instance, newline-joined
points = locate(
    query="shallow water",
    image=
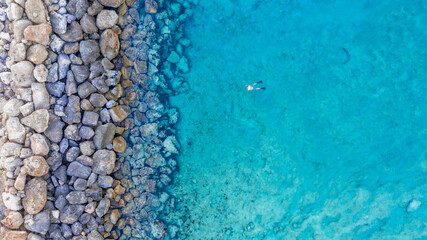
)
(335, 148)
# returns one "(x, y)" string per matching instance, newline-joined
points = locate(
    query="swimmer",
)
(251, 87)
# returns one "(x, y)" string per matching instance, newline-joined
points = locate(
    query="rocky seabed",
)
(87, 144)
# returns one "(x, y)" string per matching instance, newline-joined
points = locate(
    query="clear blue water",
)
(335, 148)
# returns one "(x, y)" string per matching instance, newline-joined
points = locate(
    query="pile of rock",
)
(63, 112)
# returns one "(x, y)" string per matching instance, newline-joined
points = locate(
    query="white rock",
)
(40, 73)
(15, 130)
(11, 108)
(11, 201)
(17, 51)
(413, 205)
(27, 109)
(22, 73)
(16, 12)
(40, 96)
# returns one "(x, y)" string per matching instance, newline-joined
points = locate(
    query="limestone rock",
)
(15, 235)
(40, 73)
(37, 120)
(111, 3)
(18, 29)
(109, 44)
(104, 134)
(38, 33)
(38, 223)
(39, 145)
(16, 12)
(59, 22)
(37, 53)
(13, 220)
(106, 19)
(11, 108)
(40, 96)
(15, 130)
(104, 161)
(10, 149)
(17, 51)
(74, 33)
(36, 165)
(22, 73)
(119, 113)
(89, 50)
(35, 11)
(88, 24)
(35, 195)
(11, 201)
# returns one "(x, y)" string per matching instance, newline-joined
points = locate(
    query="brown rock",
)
(88, 24)
(18, 28)
(35, 11)
(13, 220)
(37, 53)
(37, 120)
(106, 19)
(111, 3)
(119, 113)
(119, 144)
(151, 6)
(35, 195)
(70, 48)
(15, 235)
(36, 165)
(115, 215)
(38, 33)
(21, 179)
(109, 44)
(39, 145)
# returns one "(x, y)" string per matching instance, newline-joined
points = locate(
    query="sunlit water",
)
(335, 148)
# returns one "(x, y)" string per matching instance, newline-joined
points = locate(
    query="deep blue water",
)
(334, 148)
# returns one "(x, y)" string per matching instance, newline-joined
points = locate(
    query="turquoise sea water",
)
(335, 148)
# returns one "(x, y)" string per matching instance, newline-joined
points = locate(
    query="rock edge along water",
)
(63, 111)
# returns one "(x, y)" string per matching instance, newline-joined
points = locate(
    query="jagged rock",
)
(53, 73)
(13, 220)
(87, 148)
(90, 118)
(17, 51)
(37, 120)
(38, 223)
(72, 132)
(105, 181)
(106, 19)
(109, 44)
(72, 110)
(119, 113)
(103, 207)
(104, 161)
(15, 130)
(74, 33)
(80, 72)
(11, 201)
(86, 132)
(59, 23)
(71, 213)
(26, 109)
(77, 7)
(97, 100)
(10, 149)
(99, 83)
(35, 195)
(76, 197)
(36, 166)
(149, 129)
(85, 89)
(56, 89)
(54, 131)
(22, 73)
(104, 134)
(57, 43)
(40, 96)
(78, 170)
(95, 8)
(89, 50)
(94, 235)
(16, 12)
(63, 65)
(71, 48)
(40, 73)
(158, 229)
(38, 33)
(35, 11)
(156, 161)
(33, 236)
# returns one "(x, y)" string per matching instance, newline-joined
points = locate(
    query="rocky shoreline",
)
(87, 140)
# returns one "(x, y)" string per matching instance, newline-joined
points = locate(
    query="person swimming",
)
(251, 87)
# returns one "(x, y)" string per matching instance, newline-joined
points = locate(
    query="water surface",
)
(335, 148)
